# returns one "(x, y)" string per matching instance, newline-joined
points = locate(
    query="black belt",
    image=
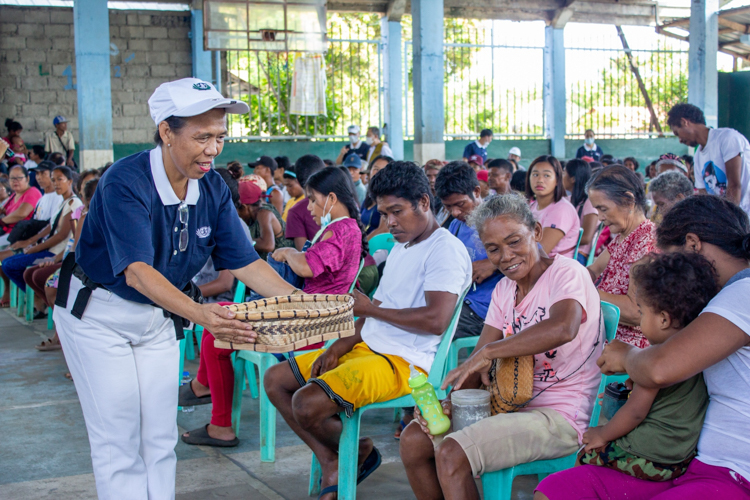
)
(71, 268)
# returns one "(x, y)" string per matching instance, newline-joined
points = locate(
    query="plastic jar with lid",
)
(469, 406)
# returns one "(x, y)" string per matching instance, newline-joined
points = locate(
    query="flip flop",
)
(401, 427)
(371, 463)
(200, 436)
(334, 488)
(188, 397)
(48, 345)
(4, 303)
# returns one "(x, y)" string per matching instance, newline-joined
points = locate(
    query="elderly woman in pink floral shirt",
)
(618, 196)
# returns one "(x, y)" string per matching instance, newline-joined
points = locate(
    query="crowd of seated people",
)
(675, 263)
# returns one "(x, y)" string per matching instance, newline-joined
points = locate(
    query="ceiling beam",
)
(396, 9)
(563, 14)
(734, 26)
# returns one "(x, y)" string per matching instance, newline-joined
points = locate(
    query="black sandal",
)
(200, 437)
(189, 398)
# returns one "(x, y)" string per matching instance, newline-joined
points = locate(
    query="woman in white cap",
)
(154, 220)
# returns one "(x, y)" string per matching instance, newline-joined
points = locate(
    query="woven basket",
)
(288, 323)
(511, 384)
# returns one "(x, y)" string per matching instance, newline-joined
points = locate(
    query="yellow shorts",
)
(362, 377)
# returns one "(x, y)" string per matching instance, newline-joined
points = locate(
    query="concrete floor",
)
(45, 449)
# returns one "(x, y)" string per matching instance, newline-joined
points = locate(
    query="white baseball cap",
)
(189, 97)
(515, 151)
(353, 129)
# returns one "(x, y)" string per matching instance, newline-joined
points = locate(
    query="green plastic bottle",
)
(427, 401)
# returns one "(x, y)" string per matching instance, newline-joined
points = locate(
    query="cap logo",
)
(201, 86)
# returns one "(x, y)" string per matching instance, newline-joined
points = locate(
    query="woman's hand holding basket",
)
(222, 324)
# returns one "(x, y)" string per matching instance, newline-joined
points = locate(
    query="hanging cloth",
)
(308, 86)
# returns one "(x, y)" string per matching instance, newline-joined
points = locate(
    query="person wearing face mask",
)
(355, 146)
(479, 147)
(589, 148)
(376, 146)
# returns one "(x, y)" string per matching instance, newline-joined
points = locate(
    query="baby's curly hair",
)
(680, 284)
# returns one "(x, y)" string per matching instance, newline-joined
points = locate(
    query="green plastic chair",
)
(13, 295)
(349, 441)
(497, 485)
(29, 304)
(594, 240)
(21, 305)
(50, 321)
(381, 242)
(465, 343)
(580, 235)
(244, 364)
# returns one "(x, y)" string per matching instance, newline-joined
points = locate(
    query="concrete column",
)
(702, 71)
(429, 114)
(203, 64)
(393, 85)
(91, 29)
(554, 89)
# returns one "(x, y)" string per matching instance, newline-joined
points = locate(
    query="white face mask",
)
(354, 139)
(326, 219)
(369, 140)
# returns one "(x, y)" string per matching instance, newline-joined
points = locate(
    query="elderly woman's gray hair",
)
(671, 184)
(512, 205)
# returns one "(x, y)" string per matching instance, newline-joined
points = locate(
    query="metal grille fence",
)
(493, 79)
(605, 95)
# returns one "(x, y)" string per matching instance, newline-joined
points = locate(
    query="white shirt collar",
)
(589, 148)
(483, 146)
(164, 188)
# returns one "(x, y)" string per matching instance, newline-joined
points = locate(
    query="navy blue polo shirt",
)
(133, 217)
(596, 154)
(474, 149)
(479, 296)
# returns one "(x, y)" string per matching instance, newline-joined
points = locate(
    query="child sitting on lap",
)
(655, 434)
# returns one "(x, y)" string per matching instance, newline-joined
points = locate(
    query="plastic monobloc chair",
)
(497, 485)
(465, 343)
(580, 235)
(594, 240)
(349, 440)
(29, 310)
(245, 363)
(381, 242)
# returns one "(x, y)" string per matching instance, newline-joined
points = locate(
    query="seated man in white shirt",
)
(425, 274)
(50, 200)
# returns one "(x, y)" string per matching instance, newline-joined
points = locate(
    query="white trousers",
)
(124, 359)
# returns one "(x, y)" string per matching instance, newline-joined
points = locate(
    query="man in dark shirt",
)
(355, 146)
(479, 147)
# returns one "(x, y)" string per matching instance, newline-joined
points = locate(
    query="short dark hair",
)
(607, 159)
(57, 158)
(23, 169)
(380, 157)
(518, 181)
(374, 130)
(457, 177)
(559, 188)
(307, 165)
(283, 162)
(633, 160)
(500, 163)
(403, 179)
(680, 284)
(687, 111)
(12, 125)
(485, 133)
(175, 124)
(38, 150)
(67, 172)
(619, 184)
(712, 219)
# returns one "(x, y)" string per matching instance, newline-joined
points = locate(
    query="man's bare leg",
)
(454, 472)
(418, 455)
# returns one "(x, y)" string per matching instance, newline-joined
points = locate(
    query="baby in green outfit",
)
(655, 433)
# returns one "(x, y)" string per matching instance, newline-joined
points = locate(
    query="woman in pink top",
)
(559, 220)
(576, 175)
(618, 196)
(544, 307)
(330, 265)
